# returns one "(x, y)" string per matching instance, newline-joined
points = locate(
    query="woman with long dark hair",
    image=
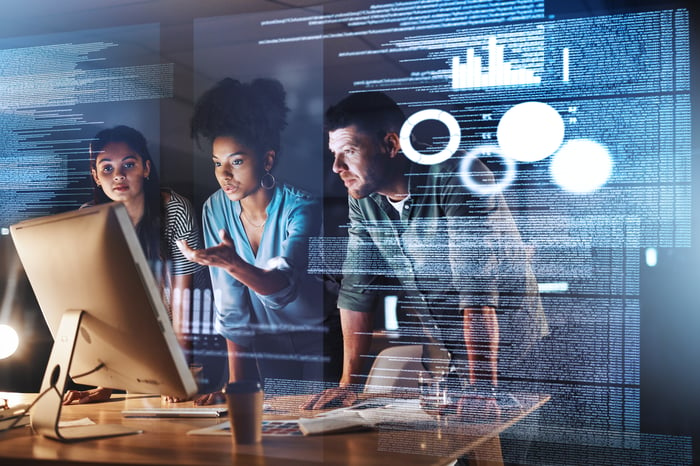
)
(123, 171)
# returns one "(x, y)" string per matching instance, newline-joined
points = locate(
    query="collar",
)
(416, 177)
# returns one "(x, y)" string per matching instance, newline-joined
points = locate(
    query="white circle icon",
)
(530, 131)
(581, 166)
(430, 114)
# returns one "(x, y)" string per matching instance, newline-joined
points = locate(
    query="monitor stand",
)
(46, 412)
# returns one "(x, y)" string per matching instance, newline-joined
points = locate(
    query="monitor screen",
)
(102, 305)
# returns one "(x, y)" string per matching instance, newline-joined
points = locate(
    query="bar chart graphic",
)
(472, 75)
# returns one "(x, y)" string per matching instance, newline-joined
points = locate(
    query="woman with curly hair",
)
(256, 232)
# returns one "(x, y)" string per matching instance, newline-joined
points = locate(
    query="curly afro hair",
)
(253, 113)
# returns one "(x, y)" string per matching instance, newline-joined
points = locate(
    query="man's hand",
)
(87, 396)
(478, 409)
(332, 398)
(222, 255)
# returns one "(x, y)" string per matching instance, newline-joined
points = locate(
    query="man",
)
(462, 267)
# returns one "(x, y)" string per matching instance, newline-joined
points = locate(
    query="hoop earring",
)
(268, 181)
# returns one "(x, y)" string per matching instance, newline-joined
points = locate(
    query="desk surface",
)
(165, 441)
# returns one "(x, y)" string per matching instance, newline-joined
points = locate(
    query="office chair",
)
(395, 369)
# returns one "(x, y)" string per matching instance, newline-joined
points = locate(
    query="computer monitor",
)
(104, 309)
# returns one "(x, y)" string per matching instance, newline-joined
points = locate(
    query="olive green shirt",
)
(448, 249)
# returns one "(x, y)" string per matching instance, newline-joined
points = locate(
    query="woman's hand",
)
(173, 399)
(87, 396)
(210, 399)
(222, 255)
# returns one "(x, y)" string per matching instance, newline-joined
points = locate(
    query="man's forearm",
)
(357, 339)
(481, 337)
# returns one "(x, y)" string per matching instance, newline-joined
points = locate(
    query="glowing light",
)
(430, 114)
(391, 321)
(488, 187)
(581, 166)
(9, 341)
(651, 256)
(530, 131)
(554, 287)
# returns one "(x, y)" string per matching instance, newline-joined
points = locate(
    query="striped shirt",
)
(179, 223)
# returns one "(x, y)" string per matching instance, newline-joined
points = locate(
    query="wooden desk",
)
(165, 441)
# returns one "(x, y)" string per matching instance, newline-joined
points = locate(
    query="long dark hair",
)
(149, 227)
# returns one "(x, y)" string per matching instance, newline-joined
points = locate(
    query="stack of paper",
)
(16, 416)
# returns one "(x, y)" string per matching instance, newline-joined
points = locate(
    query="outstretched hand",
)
(222, 255)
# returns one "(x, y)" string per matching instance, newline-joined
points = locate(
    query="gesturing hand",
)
(222, 255)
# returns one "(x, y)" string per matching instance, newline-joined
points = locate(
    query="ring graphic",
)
(430, 114)
(487, 187)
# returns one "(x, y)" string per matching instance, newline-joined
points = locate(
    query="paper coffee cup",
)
(245, 406)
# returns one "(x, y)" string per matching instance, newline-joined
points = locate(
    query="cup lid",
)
(243, 386)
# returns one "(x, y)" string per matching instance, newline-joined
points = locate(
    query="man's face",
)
(360, 160)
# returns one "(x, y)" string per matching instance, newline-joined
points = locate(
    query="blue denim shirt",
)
(292, 217)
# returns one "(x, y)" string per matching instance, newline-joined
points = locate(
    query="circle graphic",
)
(430, 114)
(489, 186)
(581, 166)
(530, 131)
